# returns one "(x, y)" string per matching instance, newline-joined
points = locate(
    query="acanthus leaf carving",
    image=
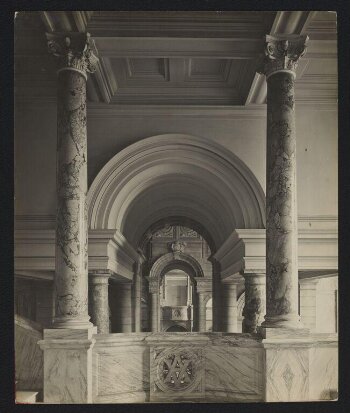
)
(282, 53)
(74, 51)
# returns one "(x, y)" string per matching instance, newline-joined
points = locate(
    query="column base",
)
(291, 321)
(68, 365)
(71, 323)
(283, 332)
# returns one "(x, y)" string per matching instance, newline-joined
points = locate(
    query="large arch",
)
(176, 175)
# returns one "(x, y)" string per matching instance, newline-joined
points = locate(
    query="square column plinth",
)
(68, 365)
(298, 365)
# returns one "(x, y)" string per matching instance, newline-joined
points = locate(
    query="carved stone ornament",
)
(282, 53)
(74, 51)
(179, 370)
(178, 246)
(153, 285)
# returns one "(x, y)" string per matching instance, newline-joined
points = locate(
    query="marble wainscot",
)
(214, 367)
(121, 366)
(177, 367)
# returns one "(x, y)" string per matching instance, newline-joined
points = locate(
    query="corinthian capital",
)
(74, 51)
(153, 285)
(282, 53)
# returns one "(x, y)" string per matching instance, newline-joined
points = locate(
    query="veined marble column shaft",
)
(137, 298)
(255, 303)
(154, 308)
(281, 58)
(99, 301)
(228, 306)
(204, 291)
(71, 276)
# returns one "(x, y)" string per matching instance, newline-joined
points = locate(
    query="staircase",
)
(28, 360)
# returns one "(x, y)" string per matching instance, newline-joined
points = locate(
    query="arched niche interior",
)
(175, 275)
(175, 178)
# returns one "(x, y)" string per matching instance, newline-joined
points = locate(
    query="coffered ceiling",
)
(178, 58)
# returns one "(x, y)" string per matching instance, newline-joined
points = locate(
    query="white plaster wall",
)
(326, 305)
(35, 146)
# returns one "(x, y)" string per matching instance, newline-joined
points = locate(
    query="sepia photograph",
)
(176, 206)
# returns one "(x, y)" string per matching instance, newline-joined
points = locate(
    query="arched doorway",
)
(176, 300)
(186, 270)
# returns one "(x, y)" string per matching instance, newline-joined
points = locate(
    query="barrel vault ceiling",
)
(177, 58)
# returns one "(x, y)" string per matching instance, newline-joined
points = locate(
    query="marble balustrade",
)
(212, 367)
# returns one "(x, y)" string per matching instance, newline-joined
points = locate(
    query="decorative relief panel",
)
(188, 233)
(181, 313)
(166, 232)
(177, 373)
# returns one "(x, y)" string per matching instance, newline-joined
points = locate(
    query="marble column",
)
(228, 306)
(68, 344)
(308, 288)
(282, 53)
(204, 291)
(216, 295)
(137, 297)
(76, 59)
(255, 303)
(154, 308)
(98, 300)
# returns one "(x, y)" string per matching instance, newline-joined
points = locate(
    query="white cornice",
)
(244, 250)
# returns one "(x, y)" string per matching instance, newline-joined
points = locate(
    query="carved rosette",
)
(282, 53)
(74, 51)
(178, 372)
(178, 247)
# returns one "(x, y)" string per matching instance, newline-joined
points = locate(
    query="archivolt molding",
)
(165, 174)
(178, 260)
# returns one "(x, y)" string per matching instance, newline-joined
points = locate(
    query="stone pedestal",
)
(255, 302)
(281, 57)
(287, 358)
(308, 288)
(68, 365)
(98, 304)
(229, 311)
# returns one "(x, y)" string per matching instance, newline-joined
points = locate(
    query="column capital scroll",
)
(75, 51)
(204, 284)
(282, 53)
(153, 285)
